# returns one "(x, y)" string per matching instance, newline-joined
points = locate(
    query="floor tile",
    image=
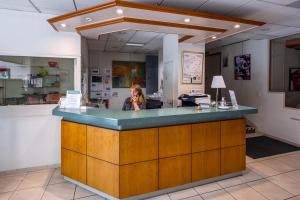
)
(217, 195)
(249, 159)
(250, 175)
(95, 197)
(244, 192)
(262, 170)
(278, 165)
(207, 188)
(5, 196)
(286, 182)
(183, 194)
(60, 191)
(10, 183)
(270, 190)
(295, 198)
(37, 179)
(32, 194)
(294, 174)
(230, 182)
(80, 192)
(194, 198)
(161, 197)
(57, 177)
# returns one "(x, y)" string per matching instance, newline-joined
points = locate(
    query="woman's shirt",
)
(128, 105)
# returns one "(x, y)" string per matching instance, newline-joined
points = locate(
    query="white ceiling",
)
(282, 16)
(116, 42)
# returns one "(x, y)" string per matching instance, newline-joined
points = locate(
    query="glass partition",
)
(285, 68)
(34, 80)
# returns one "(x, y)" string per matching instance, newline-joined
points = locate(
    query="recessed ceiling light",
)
(213, 37)
(119, 11)
(237, 26)
(187, 20)
(88, 19)
(63, 25)
(135, 44)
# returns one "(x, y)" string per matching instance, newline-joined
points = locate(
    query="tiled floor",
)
(273, 178)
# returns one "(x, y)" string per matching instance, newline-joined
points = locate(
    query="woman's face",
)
(133, 92)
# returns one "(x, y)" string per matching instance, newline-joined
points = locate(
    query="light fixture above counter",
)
(122, 15)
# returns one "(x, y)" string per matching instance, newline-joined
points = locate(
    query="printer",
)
(189, 100)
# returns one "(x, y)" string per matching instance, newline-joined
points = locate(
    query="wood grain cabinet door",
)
(174, 171)
(205, 136)
(233, 159)
(138, 145)
(205, 165)
(73, 136)
(174, 141)
(73, 165)
(103, 144)
(138, 178)
(233, 133)
(103, 176)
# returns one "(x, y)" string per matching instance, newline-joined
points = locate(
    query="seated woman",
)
(136, 101)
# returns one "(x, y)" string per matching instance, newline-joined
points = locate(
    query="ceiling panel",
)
(270, 13)
(54, 6)
(286, 31)
(154, 44)
(121, 36)
(21, 5)
(267, 29)
(114, 46)
(143, 37)
(96, 45)
(221, 6)
(280, 2)
(155, 2)
(184, 4)
(103, 37)
(81, 4)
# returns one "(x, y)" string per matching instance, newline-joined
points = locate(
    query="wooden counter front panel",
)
(138, 178)
(103, 176)
(174, 171)
(233, 133)
(205, 165)
(73, 136)
(138, 145)
(73, 165)
(205, 136)
(233, 159)
(103, 144)
(174, 140)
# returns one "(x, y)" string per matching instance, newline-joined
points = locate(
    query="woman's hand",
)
(135, 103)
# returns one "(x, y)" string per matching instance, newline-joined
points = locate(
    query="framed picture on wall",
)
(294, 79)
(242, 67)
(192, 67)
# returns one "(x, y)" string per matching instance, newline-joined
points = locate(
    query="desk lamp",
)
(218, 82)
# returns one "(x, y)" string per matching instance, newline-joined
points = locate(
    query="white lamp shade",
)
(218, 82)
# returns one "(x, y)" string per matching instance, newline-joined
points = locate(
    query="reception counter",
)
(134, 155)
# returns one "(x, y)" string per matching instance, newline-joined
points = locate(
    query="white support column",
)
(170, 71)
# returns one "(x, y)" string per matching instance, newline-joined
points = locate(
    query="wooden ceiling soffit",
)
(149, 22)
(185, 38)
(163, 9)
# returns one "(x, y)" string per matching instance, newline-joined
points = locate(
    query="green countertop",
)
(127, 120)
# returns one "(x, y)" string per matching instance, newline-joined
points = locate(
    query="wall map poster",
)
(192, 67)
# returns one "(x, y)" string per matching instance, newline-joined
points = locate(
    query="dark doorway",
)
(151, 74)
(212, 68)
